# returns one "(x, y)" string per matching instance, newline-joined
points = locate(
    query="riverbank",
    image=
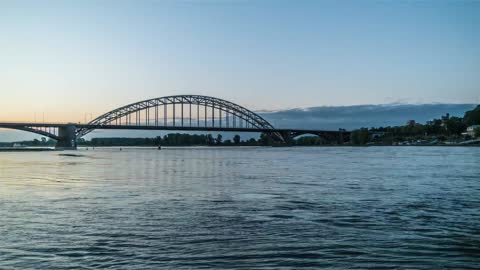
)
(213, 146)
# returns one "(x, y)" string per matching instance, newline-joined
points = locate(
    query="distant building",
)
(446, 117)
(471, 131)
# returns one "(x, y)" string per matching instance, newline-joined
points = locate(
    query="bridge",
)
(180, 113)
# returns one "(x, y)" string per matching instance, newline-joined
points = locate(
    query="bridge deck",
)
(184, 128)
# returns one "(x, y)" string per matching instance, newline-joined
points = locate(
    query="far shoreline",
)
(10, 149)
(87, 148)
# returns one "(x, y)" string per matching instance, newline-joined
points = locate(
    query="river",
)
(241, 208)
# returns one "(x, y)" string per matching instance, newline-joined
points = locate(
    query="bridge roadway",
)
(64, 131)
(180, 112)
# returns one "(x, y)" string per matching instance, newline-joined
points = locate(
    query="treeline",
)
(179, 139)
(437, 129)
(174, 139)
(43, 142)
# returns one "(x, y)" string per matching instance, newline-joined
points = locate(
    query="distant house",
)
(18, 145)
(471, 131)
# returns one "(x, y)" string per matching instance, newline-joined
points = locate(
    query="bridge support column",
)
(67, 138)
(281, 138)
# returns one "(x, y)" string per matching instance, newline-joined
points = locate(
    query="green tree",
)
(266, 139)
(219, 139)
(158, 140)
(236, 139)
(434, 128)
(360, 136)
(472, 117)
(455, 126)
(252, 141)
(209, 139)
(477, 132)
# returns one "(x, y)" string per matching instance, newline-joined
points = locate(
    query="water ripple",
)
(247, 208)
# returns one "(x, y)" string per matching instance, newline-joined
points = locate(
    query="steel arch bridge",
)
(180, 112)
(193, 111)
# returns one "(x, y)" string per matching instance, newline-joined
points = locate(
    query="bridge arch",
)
(48, 132)
(341, 136)
(166, 111)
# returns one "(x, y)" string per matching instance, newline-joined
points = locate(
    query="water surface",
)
(241, 208)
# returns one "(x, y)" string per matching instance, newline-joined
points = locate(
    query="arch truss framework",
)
(192, 111)
(48, 131)
(184, 112)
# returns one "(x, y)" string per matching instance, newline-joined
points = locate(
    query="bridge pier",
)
(67, 138)
(283, 138)
(287, 138)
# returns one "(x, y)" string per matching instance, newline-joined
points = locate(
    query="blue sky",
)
(65, 59)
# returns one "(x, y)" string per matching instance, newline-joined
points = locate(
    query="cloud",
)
(351, 117)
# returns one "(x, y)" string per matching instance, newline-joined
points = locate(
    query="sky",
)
(70, 60)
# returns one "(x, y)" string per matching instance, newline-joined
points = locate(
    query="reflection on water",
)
(377, 207)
